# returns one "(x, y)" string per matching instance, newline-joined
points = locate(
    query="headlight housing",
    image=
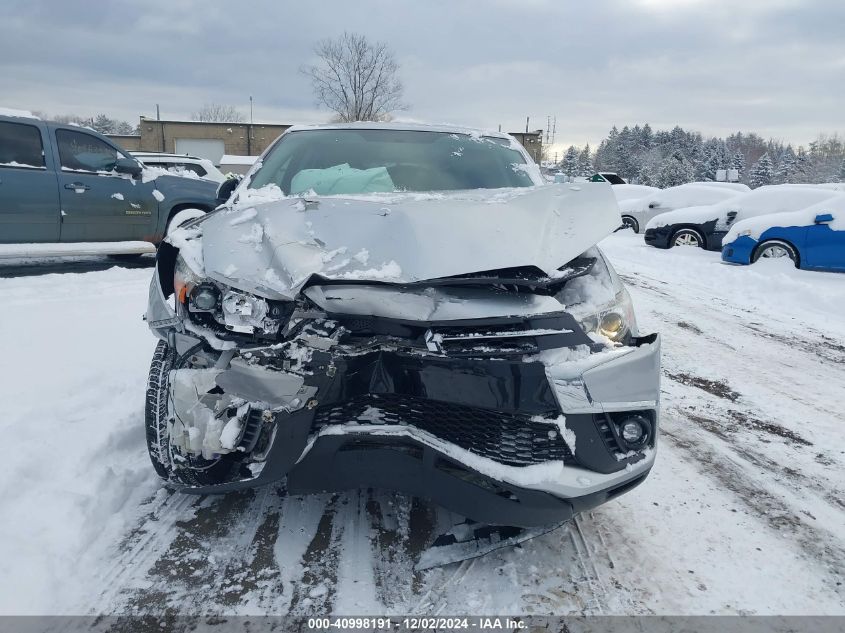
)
(222, 308)
(615, 321)
(600, 302)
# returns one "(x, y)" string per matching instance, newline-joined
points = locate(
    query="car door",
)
(824, 247)
(29, 195)
(97, 203)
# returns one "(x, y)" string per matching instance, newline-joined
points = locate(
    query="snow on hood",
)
(755, 227)
(272, 248)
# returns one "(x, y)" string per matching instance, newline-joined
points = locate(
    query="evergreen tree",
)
(785, 170)
(585, 162)
(738, 163)
(762, 172)
(802, 166)
(842, 170)
(569, 164)
(674, 170)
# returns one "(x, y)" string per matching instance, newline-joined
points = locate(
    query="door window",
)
(20, 145)
(79, 151)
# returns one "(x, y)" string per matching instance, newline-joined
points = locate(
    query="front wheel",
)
(630, 223)
(189, 470)
(687, 237)
(775, 249)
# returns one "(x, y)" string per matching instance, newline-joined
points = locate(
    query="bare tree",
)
(356, 79)
(218, 113)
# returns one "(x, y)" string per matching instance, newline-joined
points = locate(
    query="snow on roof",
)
(26, 114)
(632, 192)
(761, 201)
(755, 227)
(231, 159)
(402, 125)
(678, 197)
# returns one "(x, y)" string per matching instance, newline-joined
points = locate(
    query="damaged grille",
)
(507, 439)
(511, 337)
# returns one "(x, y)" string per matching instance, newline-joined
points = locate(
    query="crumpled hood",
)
(273, 248)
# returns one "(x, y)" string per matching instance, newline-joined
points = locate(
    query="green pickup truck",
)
(65, 184)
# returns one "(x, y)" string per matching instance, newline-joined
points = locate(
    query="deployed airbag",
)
(342, 179)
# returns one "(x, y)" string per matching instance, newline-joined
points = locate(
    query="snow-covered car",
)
(637, 212)
(181, 165)
(633, 192)
(403, 307)
(706, 226)
(813, 238)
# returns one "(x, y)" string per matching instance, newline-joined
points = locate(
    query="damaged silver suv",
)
(404, 307)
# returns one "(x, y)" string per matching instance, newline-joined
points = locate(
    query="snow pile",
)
(755, 227)
(248, 196)
(74, 366)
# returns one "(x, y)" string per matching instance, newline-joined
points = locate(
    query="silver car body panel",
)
(273, 249)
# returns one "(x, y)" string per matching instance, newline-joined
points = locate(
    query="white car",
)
(633, 192)
(637, 212)
(181, 164)
(705, 226)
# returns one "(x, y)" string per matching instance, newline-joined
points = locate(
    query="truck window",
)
(79, 151)
(20, 145)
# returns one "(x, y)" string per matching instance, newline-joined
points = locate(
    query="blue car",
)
(813, 238)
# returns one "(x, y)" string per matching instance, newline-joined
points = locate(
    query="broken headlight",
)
(217, 306)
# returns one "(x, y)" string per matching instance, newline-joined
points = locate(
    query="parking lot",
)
(745, 502)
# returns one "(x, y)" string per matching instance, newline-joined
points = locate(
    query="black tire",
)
(631, 223)
(192, 471)
(155, 410)
(775, 249)
(687, 237)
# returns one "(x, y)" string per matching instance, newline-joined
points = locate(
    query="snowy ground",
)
(744, 511)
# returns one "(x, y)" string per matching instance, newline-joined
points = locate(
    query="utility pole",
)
(250, 110)
(158, 113)
(548, 127)
(527, 119)
(554, 129)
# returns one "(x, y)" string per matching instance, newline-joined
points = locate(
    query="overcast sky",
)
(776, 67)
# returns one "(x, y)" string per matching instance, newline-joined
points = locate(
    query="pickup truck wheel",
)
(183, 216)
(192, 471)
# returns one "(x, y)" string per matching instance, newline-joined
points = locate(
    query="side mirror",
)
(823, 218)
(128, 166)
(224, 191)
(653, 205)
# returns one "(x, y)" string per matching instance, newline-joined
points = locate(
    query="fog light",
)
(634, 431)
(205, 297)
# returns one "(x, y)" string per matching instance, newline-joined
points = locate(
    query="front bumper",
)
(739, 251)
(519, 440)
(658, 237)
